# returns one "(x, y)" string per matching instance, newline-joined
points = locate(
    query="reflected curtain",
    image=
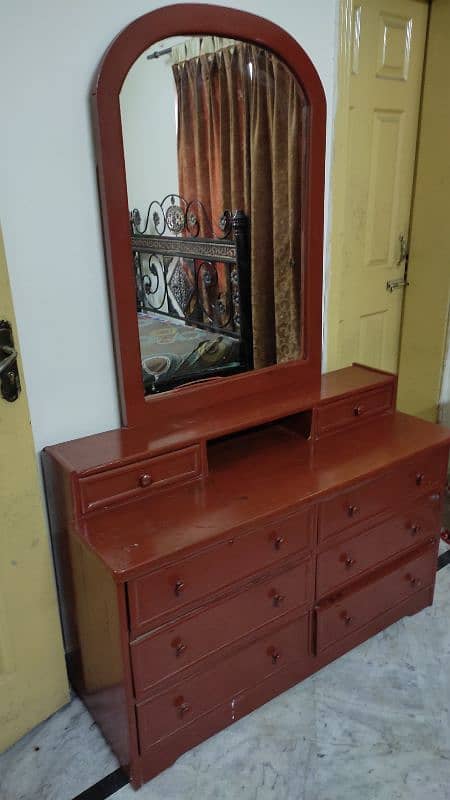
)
(241, 145)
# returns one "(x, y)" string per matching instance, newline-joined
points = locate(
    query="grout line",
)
(105, 787)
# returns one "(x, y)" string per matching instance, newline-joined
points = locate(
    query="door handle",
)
(9, 374)
(11, 356)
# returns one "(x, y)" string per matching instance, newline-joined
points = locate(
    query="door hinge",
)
(400, 283)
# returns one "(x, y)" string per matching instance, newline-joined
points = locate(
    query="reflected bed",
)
(192, 294)
(173, 352)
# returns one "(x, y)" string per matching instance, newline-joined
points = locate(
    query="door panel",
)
(33, 680)
(375, 151)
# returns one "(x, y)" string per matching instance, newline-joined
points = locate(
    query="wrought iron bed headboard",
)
(203, 281)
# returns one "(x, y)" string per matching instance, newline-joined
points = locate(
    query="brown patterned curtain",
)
(241, 131)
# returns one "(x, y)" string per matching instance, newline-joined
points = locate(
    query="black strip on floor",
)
(444, 559)
(106, 787)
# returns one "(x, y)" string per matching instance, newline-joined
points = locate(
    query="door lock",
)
(9, 374)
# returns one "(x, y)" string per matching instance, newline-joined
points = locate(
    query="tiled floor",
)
(372, 726)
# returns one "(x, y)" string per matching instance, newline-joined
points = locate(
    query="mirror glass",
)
(215, 135)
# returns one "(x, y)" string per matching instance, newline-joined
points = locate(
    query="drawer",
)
(412, 526)
(351, 610)
(341, 413)
(171, 588)
(161, 655)
(138, 479)
(189, 699)
(410, 479)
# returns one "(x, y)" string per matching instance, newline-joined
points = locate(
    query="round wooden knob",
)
(145, 480)
(180, 647)
(179, 587)
(358, 410)
(278, 599)
(347, 618)
(183, 709)
(278, 542)
(415, 529)
(353, 510)
(415, 582)
(275, 655)
(420, 477)
(349, 561)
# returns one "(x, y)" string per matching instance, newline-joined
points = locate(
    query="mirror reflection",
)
(215, 138)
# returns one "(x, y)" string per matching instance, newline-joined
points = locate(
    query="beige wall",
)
(427, 298)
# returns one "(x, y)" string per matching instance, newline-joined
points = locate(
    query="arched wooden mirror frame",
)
(284, 381)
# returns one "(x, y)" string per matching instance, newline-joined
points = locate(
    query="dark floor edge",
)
(106, 787)
(444, 559)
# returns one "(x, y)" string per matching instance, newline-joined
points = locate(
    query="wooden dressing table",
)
(235, 535)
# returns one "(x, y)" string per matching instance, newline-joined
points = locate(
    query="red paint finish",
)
(238, 535)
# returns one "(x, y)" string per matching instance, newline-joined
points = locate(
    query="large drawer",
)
(177, 707)
(159, 656)
(341, 413)
(408, 480)
(116, 485)
(172, 588)
(413, 525)
(349, 611)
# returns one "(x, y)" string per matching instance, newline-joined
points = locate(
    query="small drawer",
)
(341, 413)
(413, 526)
(172, 588)
(420, 474)
(412, 478)
(159, 656)
(191, 698)
(123, 483)
(359, 503)
(348, 611)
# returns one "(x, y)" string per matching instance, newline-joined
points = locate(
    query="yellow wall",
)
(427, 297)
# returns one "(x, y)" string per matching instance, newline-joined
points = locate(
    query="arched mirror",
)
(211, 170)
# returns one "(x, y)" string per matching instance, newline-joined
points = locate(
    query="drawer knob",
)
(415, 582)
(275, 655)
(145, 480)
(179, 587)
(415, 529)
(349, 561)
(353, 510)
(278, 599)
(183, 709)
(358, 410)
(180, 647)
(346, 617)
(278, 542)
(420, 477)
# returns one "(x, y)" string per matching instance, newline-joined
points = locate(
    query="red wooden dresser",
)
(207, 577)
(236, 534)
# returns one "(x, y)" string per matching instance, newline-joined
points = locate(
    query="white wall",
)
(148, 108)
(48, 196)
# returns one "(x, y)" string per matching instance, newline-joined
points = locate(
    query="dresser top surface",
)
(91, 453)
(255, 477)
